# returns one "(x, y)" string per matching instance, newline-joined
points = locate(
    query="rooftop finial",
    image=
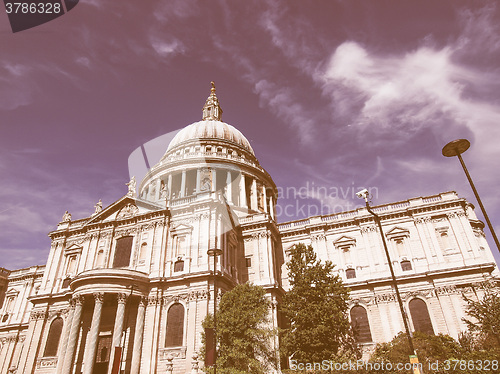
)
(211, 109)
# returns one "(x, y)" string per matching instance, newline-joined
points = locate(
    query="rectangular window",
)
(122, 252)
(248, 262)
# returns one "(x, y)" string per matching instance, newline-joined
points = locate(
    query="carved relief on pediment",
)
(127, 211)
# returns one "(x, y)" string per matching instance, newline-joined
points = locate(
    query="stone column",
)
(64, 337)
(229, 188)
(198, 180)
(264, 193)
(214, 180)
(93, 334)
(169, 186)
(118, 329)
(271, 206)
(139, 330)
(157, 189)
(243, 192)
(73, 336)
(183, 184)
(253, 195)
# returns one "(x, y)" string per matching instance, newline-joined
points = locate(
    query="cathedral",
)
(127, 288)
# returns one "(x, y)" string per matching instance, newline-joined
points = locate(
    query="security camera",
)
(363, 194)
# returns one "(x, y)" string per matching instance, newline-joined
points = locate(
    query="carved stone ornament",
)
(46, 362)
(367, 229)
(66, 217)
(37, 314)
(121, 298)
(172, 353)
(131, 187)
(99, 297)
(318, 237)
(127, 211)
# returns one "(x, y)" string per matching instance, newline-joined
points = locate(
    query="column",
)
(64, 338)
(73, 335)
(198, 180)
(271, 206)
(243, 192)
(264, 194)
(183, 184)
(169, 186)
(93, 334)
(139, 330)
(229, 188)
(118, 328)
(157, 189)
(253, 195)
(214, 180)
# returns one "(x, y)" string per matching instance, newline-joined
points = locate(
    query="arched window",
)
(175, 325)
(360, 324)
(122, 252)
(53, 337)
(420, 317)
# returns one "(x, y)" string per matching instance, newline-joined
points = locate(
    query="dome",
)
(210, 129)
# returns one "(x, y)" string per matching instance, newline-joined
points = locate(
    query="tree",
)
(437, 353)
(243, 338)
(316, 309)
(486, 316)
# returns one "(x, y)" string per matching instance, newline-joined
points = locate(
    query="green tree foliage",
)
(316, 308)
(244, 340)
(485, 313)
(437, 353)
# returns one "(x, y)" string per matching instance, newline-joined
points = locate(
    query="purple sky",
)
(339, 94)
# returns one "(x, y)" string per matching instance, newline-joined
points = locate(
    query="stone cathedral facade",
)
(129, 286)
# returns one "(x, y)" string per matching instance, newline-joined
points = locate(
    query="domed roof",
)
(210, 129)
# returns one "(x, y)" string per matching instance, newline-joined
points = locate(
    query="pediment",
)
(73, 248)
(181, 228)
(11, 292)
(345, 241)
(397, 232)
(124, 208)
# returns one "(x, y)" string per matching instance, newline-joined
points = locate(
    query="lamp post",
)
(456, 148)
(215, 252)
(365, 194)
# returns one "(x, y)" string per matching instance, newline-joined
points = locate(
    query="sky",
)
(333, 96)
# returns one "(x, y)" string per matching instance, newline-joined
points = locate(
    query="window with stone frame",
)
(360, 324)
(9, 306)
(444, 239)
(420, 316)
(71, 265)
(99, 261)
(123, 251)
(143, 253)
(406, 265)
(175, 326)
(398, 240)
(179, 265)
(345, 245)
(53, 337)
(350, 273)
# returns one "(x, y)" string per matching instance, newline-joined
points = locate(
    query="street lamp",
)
(456, 148)
(364, 194)
(215, 252)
